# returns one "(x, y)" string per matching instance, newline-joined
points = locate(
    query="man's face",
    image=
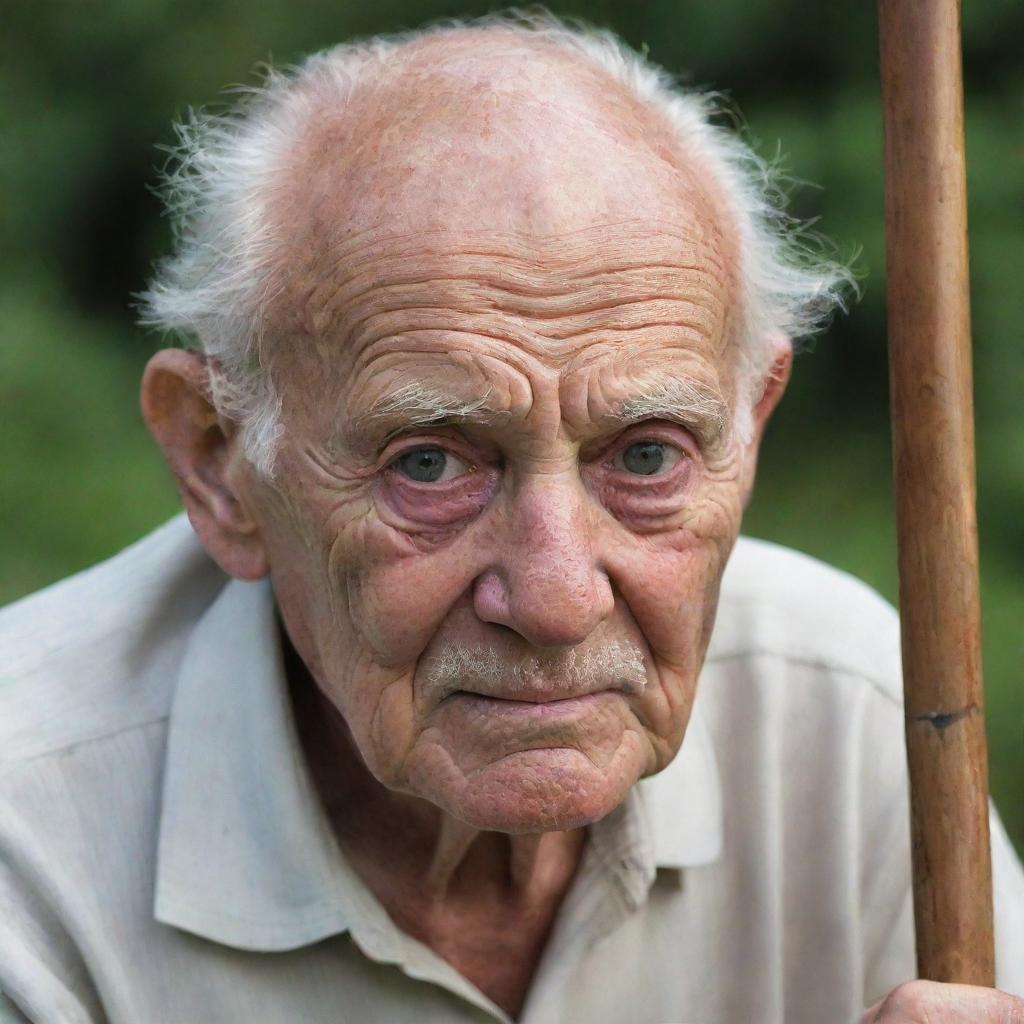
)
(509, 484)
(497, 544)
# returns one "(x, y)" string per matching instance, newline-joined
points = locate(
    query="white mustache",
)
(618, 665)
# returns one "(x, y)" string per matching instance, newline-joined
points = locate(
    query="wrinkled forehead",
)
(617, 320)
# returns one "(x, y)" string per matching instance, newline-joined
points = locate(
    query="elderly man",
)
(489, 323)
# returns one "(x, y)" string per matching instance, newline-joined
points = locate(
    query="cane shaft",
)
(933, 454)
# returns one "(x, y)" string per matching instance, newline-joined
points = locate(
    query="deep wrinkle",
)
(561, 302)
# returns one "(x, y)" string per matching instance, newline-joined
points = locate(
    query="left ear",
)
(772, 388)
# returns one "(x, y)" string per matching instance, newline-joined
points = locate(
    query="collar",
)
(245, 854)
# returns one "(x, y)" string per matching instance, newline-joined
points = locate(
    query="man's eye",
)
(647, 458)
(430, 465)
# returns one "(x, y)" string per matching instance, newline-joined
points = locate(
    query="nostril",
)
(490, 599)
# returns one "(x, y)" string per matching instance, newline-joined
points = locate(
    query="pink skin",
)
(546, 250)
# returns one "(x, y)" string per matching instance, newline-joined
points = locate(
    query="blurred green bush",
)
(86, 94)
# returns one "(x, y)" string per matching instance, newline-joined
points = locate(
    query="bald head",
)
(486, 130)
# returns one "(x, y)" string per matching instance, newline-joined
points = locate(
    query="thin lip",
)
(557, 708)
(536, 697)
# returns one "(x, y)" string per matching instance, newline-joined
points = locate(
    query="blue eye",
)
(647, 458)
(430, 465)
(424, 465)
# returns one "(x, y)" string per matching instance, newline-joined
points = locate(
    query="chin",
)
(544, 790)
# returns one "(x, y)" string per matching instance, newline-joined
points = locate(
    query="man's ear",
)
(772, 388)
(202, 453)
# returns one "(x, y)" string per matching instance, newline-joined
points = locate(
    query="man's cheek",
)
(384, 724)
(396, 595)
(670, 585)
(672, 593)
(664, 711)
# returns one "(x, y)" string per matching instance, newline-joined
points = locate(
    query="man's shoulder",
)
(777, 603)
(96, 654)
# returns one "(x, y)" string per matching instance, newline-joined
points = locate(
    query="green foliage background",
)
(86, 91)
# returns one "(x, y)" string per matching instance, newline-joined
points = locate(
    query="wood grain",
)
(933, 452)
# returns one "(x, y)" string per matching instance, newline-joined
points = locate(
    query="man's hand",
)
(928, 1002)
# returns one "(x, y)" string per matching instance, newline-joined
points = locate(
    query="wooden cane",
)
(933, 455)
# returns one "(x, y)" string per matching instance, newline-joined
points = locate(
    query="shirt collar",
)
(246, 856)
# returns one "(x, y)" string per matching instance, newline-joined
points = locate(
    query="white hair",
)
(488, 671)
(214, 289)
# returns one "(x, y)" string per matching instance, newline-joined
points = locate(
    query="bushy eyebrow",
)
(419, 404)
(690, 403)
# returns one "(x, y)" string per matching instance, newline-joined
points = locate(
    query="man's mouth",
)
(536, 705)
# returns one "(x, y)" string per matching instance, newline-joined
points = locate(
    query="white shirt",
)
(164, 859)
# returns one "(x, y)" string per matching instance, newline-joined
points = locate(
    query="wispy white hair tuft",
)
(215, 288)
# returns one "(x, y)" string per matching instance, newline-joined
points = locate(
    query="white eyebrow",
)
(687, 402)
(419, 404)
(684, 401)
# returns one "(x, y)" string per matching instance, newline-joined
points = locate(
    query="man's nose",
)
(545, 582)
